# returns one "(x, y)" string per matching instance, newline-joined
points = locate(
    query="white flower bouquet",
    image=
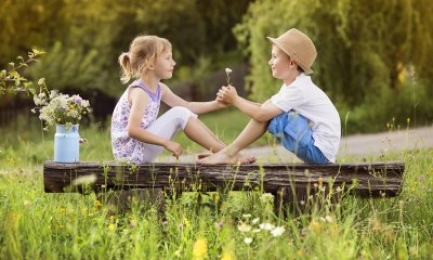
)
(56, 108)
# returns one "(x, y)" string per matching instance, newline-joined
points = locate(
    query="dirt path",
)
(355, 146)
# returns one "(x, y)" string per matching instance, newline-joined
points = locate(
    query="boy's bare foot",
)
(222, 158)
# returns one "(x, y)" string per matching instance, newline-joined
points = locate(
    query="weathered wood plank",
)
(374, 179)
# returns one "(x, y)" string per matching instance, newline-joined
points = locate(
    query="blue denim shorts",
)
(295, 133)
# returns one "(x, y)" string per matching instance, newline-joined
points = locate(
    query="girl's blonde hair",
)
(143, 52)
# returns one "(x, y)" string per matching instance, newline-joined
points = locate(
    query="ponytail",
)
(125, 64)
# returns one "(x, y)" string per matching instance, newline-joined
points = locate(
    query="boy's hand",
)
(227, 94)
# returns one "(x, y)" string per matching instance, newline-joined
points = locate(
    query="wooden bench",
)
(291, 184)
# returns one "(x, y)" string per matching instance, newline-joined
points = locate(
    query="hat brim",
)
(306, 69)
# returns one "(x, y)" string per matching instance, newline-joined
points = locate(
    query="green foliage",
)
(68, 67)
(363, 46)
(411, 106)
(12, 80)
(29, 24)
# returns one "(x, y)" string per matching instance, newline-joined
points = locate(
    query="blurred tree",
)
(27, 24)
(363, 46)
(95, 32)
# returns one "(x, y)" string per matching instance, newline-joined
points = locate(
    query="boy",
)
(300, 115)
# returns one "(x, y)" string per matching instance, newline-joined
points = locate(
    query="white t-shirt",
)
(303, 96)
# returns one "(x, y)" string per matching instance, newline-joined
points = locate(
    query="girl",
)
(136, 132)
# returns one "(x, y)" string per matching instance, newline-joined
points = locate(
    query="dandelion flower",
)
(199, 250)
(228, 72)
(227, 255)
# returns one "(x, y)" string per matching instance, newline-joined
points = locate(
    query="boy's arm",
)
(259, 112)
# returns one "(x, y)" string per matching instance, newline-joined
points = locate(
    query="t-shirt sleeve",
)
(288, 98)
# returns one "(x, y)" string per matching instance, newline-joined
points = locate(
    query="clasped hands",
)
(227, 95)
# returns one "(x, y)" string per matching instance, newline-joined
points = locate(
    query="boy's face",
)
(280, 63)
(164, 65)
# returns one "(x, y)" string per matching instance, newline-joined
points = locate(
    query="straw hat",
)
(299, 47)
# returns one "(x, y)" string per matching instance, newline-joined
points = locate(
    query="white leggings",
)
(166, 126)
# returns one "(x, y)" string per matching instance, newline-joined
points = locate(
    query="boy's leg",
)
(230, 154)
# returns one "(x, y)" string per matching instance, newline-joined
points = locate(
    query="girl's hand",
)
(227, 95)
(174, 148)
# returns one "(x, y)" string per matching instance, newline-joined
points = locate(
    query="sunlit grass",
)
(37, 225)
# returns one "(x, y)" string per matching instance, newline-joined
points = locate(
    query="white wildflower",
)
(266, 226)
(278, 231)
(244, 227)
(248, 240)
(246, 216)
(228, 72)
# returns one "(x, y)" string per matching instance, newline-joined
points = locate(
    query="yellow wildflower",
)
(227, 255)
(199, 250)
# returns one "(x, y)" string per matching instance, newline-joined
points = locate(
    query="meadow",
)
(36, 225)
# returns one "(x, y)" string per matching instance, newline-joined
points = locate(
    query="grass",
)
(36, 225)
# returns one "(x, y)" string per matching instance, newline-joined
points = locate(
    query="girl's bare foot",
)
(222, 158)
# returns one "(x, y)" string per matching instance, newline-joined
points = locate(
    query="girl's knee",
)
(182, 114)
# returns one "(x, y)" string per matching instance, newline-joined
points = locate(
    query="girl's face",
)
(279, 63)
(164, 65)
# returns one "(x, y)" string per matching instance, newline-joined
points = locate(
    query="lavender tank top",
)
(122, 145)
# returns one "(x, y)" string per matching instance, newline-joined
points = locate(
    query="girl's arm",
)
(139, 100)
(173, 100)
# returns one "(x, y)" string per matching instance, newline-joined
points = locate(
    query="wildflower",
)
(199, 250)
(227, 255)
(216, 198)
(329, 219)
(315, 226)
(267, 226)
(112, 227)
(278, 231)
(228, 72)
(248, 240)
(84, 180)
(57, 108)
(98, 203)
(244, 227)
(246, 216)
(219, 224)
(266, 198)
(255, 221)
